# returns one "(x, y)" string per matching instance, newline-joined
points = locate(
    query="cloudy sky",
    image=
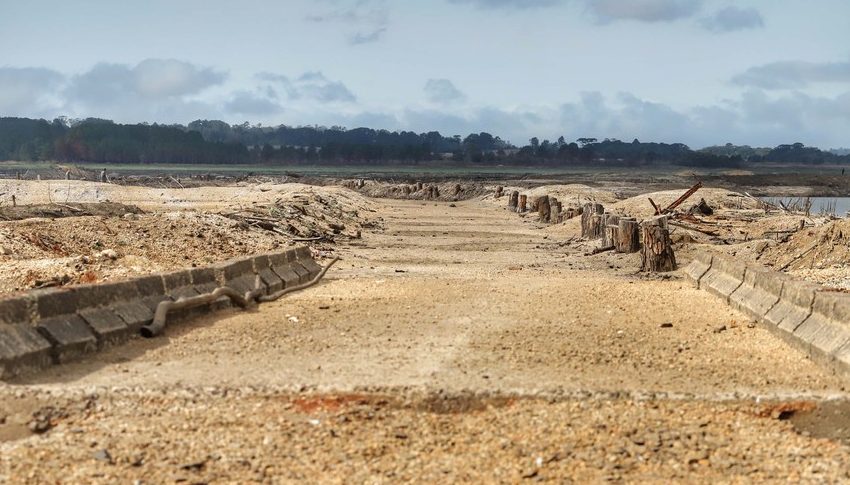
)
(702, 72)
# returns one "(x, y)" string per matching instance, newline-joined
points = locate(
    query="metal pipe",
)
(158, 324)
(244, 301)
(274, 296)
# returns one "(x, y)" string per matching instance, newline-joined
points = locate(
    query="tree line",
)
(217, 142)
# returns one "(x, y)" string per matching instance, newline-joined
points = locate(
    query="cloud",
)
(369, 17)
(730, 19)
(508, 4)
(311, 85)
(794, 74)
(253, 104)
(27, 90)
(152, 80)
(367, 37)
(607, 11)
(443, 91)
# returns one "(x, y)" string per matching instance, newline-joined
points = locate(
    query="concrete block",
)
(841, 362)
(302, 252)
(311, 266)
(794, 306)
(103, 294)
(828, 327)
(261, 261)
(22, 349)
(698, 267)
(108, 328)
(301, 271)
(758, 293)
(724, 277)
(14, 310)
(69, 335)
(52, 302)
(175, 280)
(289, 277)
(150, 286)
(203, 279)
(237, 268)
(278, 259)
(272, 281)
(135, 314)
(291, 255)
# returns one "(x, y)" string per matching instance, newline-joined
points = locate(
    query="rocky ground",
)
(456, 342)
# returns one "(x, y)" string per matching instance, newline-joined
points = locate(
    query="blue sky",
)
(700, 72)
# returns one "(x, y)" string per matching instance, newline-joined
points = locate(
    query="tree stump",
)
(513, 201)
(418, 186)
(523, 201)
(657, 252)
(628, 236)
(554, 210)
(406, 191)
(610, 230)
(591, 221)
(436, 192)
(457, 190)
(543, 208)
(499, 191)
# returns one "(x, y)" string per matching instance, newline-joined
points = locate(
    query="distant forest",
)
(216, 142)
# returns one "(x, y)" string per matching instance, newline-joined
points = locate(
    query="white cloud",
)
(733, 18)
(607, 11)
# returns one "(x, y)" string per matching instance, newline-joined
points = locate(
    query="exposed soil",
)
(457, 342)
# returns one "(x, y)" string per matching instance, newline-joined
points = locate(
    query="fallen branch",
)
(601, 250)
(691, 228)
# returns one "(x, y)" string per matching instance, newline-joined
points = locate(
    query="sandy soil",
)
(460, 343)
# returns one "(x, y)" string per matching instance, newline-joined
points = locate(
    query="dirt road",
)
(460, 343)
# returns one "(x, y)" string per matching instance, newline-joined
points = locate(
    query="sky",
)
(700, 72)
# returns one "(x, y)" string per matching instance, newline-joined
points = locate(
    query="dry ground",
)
(461, 343)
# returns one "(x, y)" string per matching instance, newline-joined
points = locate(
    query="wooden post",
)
(657, 252)
(418, 186)
(543, 208)
(436, 192)
(523, 201)
(457, 190)
(499, 191)
(513, 201)
(406, 190)
(628, 236)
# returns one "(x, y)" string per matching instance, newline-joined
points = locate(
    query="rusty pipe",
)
(274, 296)
(158, 324)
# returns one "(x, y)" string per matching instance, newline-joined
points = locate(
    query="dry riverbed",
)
(457, 342)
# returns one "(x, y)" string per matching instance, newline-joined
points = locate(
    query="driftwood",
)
(657, 248)
(676, 203)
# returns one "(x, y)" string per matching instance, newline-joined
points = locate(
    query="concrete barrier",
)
(723, 277)
(698, 267)
(52, 326)
(809, 317)
(759, 291)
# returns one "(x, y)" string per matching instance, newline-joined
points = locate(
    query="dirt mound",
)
(38, 252)
(814, 248)
(20, 212)
(570, 195)
(639, 206)
(446, 191)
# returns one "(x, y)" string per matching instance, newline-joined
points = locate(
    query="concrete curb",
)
(807, 316)
(40, 328)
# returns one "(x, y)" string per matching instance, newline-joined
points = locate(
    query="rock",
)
(104, 456)
(106, 254)
(4, 251)
(721, 328)
(666, 325)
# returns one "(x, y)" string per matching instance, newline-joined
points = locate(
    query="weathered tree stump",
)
(543, 208)
(406, 190)
(628, 236)
(457, 189)
(418, 186)
(591, 221)
(513, 201)
(499, 191)
(436, 192)
(656, 254)
(523, 202)
(554, 210)
(610, 230)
